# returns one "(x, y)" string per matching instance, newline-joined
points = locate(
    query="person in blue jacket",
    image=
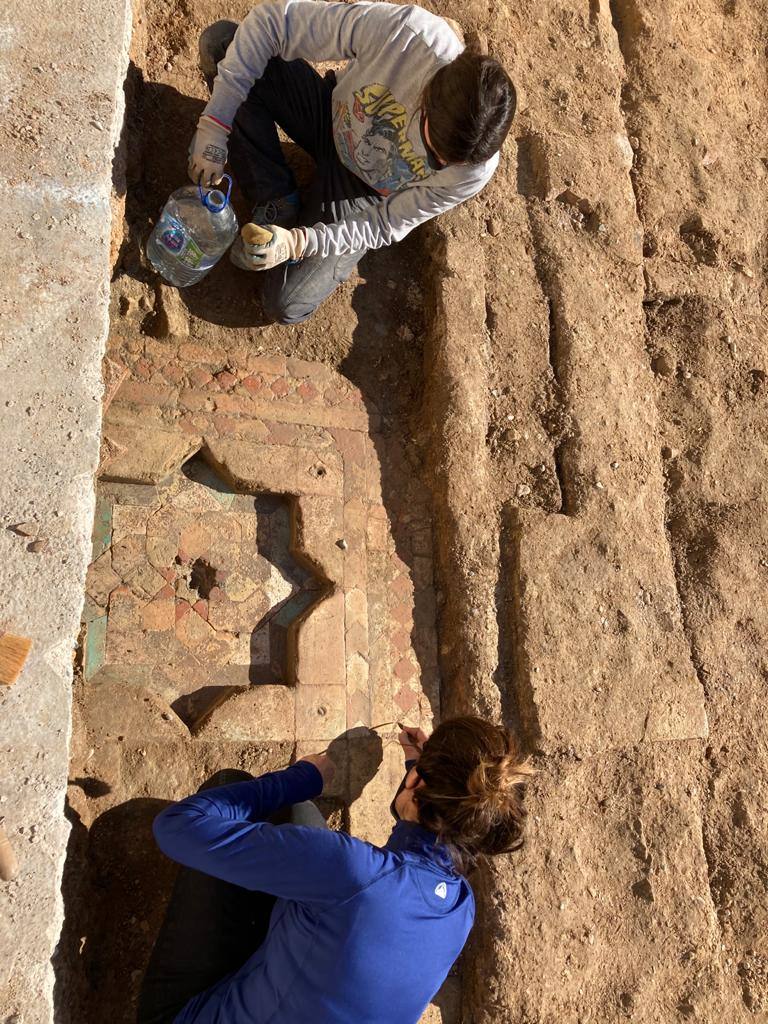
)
(297, 924)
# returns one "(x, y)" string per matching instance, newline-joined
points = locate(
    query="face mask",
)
(400, 788)
(433, 160)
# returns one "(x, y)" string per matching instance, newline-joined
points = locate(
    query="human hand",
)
(412, 741)
(324, 765)
(264, 247)
(208, 152)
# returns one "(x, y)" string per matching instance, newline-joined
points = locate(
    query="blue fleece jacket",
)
(359, 934)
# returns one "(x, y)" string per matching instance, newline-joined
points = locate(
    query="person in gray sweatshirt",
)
(409, 128)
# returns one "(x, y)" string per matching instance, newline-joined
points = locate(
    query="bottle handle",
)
(205, 197)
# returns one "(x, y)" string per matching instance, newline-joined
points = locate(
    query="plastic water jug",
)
(195, 229)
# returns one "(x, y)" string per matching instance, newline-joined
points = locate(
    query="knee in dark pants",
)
(280, 308)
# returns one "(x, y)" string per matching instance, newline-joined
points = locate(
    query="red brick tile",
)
(167, 591)
(143, 369)
(280, 387)
(358, 710)
(226, 380)
(201, 607)
(307, 391)
(237, 404)
(406, 699)
(401, 640)
(173, 373)
(187, 424)
(404, 670)
(145, 394)
(225, 425)
(403, 613)
(182, 608)
(254, 384)
(198, 377)
(267, 364)
(401, 587)
(197, 401)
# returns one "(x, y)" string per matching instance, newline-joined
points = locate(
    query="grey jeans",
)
(292, 95)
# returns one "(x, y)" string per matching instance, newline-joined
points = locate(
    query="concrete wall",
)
(62, 67)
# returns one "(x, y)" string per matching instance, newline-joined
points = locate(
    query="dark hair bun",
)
(474, 779)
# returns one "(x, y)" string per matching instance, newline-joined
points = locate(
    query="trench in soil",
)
(370, 333)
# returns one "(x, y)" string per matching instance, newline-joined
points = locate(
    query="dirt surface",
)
(575, 362)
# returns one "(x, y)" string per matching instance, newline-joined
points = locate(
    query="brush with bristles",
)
(255, 234)
(13, 654)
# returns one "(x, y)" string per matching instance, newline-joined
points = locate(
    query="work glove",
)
(264, 247)
(208, 152)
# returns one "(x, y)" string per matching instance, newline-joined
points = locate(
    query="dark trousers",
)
(292, 95)
(210, 928)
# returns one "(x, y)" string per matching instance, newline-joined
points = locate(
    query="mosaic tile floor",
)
(193, 587)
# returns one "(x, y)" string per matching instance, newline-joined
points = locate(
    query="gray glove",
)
(208, 152)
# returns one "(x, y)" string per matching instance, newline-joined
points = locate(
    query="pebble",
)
(634, 142)
(37, 546)
(614, 465)
(341, 543)
(28, 529)
(600, 486)
(523, 490)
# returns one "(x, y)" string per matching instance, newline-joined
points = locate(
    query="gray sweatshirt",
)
(393, 52)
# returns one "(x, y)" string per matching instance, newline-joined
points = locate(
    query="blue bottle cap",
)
(215, 200)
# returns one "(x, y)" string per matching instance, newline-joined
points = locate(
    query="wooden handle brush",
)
(9, 866)
(255, 234)
(13, 654)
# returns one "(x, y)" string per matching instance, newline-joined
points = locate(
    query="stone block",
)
(255, 467)
(150, 453)
(319, 525)
(253, 715)
(320, 648)
(319, 473)
(321, 711)
(116, 712)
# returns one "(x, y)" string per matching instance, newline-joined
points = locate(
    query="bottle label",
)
(175, 239)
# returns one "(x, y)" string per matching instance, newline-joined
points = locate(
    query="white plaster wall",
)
(62, 66)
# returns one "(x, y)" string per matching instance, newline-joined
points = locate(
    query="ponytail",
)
(474, 777)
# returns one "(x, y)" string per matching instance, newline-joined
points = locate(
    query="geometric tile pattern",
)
(196, 584)
(248, 536)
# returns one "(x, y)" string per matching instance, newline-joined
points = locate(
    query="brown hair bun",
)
(474, 776)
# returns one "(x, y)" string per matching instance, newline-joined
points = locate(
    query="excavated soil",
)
(575, 363)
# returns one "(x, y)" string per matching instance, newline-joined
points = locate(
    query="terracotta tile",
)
(101, 579)
(158, 615)
(198, 376)
(405, 670)
(128, 554)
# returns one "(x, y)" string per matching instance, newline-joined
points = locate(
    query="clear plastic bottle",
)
(195, 229)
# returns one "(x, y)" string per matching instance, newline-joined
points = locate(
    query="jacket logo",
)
(441, 890)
